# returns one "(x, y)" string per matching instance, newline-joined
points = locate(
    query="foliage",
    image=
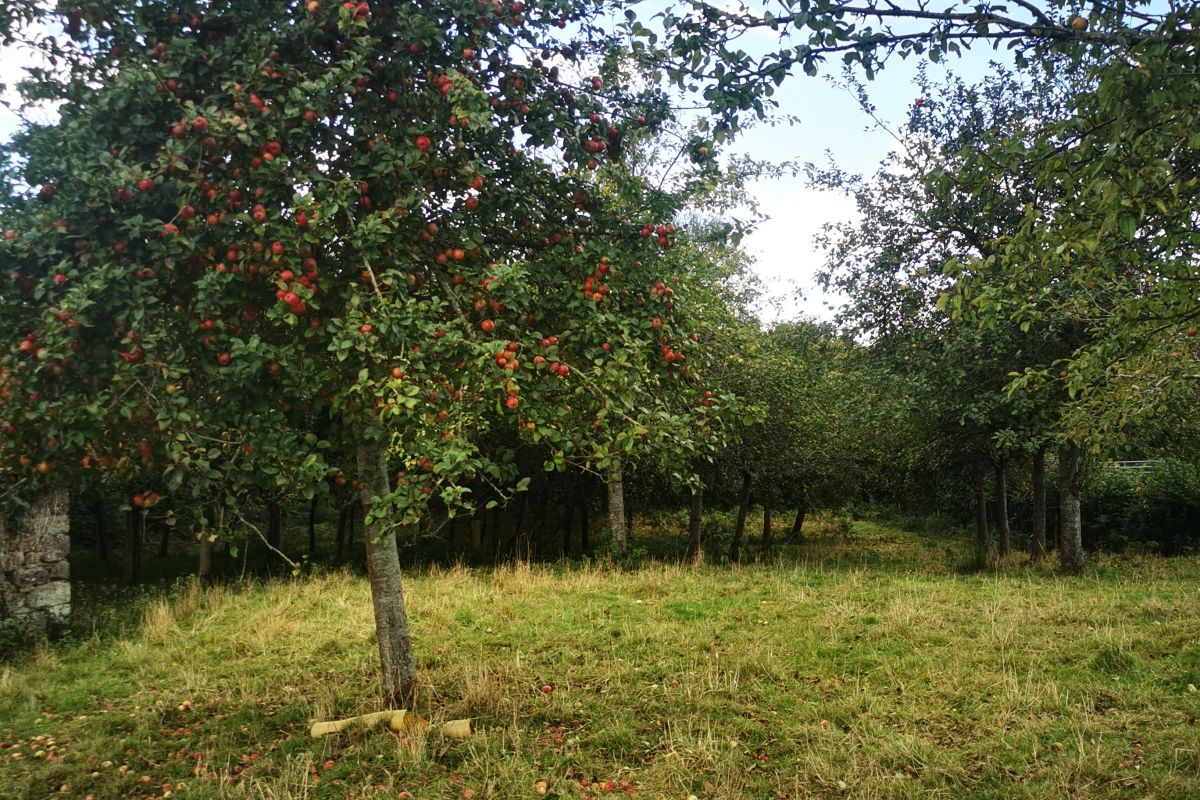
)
(1117, 253)
(259, 234)
(956, 184)
(1155, 510)
(700, 45)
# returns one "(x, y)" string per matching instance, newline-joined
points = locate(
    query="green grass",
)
(870, 668)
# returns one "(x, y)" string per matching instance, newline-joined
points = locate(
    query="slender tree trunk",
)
(343, 519)
(1070, 467)
(101, 530)
(617, 529)
(695, 520)
(479, 521)
(164, 539)
(739, 529)
(204, 567)
(1037, 545)
(135, 521)
(274, 526)
(312, 528)
(1002, 531)
(767, 533)
(981, 518)
(387, 592)
(797, 532)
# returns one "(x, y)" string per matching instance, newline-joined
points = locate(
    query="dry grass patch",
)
(758, 681)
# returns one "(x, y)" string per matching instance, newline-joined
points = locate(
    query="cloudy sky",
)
(831, 126)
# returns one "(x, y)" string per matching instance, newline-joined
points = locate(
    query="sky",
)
(831, 125)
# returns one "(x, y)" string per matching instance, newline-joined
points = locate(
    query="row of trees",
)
(270, 245)
(402, 250)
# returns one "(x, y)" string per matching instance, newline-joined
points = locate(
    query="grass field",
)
(867, 668)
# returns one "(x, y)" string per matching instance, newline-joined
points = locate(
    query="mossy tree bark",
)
(399, 668)
(1070, 474)
(739, 529)
(617, 531)
(1002, 532)
(797, 532)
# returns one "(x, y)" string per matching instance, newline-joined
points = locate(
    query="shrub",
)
(1156, 510)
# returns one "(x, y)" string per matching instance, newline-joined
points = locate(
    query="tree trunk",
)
(1002, 507)
(478, 523)
(739, 529)
(164, 539)
(767, 538)
(1070, 467)
(387, 593)
(312, 528)
(617, 529)
(1037, 545)
(274, 526)
(101, 530)
(204, 567)
(343, 519)
(981, 518)
(695, 518)
(797, 532)
(135, 521)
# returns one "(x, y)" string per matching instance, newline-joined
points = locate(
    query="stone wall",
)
(34, 571)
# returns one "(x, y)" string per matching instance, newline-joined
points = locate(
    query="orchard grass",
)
(865, 665)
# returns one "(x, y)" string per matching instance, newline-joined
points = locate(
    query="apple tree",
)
(253, 214)
(954, 191)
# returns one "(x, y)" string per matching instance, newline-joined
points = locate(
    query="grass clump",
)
(842, 675)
